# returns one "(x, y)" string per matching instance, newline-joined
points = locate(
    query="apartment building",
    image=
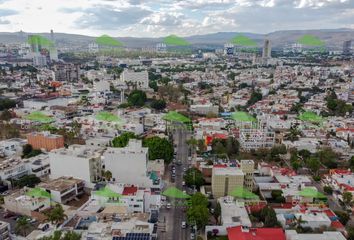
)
(45, 140)
(128, 164)
(26, 201)
(139, 80)
(254, 138)
(63, 189)
(247, 167)
(225, 180)
(10, 147)
(4, 230)
(78, 161)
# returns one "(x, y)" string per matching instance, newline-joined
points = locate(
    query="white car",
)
(168, 205)
(183, 224)
(183, 183)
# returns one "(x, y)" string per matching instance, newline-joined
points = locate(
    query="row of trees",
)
(198, 212)
(304, 158)
(6, 103)
(336, 106)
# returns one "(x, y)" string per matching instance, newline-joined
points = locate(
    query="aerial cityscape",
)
(177, 120)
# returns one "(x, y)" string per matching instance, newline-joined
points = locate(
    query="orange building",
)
(45, 140)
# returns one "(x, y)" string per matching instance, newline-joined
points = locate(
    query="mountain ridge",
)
(332, 38)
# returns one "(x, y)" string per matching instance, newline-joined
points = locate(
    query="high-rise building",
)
(229, 49)
(267, 50)
(161, 47)
(225, 179)
(138, 79)
(247, 167)
(33, 40)
(347, 47)
(53, 52)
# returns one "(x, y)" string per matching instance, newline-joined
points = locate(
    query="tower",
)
(267, 49)
(53, 52)
(347, 47)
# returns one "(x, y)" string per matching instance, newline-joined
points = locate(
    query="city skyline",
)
(161, 18)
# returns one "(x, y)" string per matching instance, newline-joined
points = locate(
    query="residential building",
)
(26, 201)
(137, 79)
(45, 140)
(253, 138)
(204, 109)
(128, 164)
(4, 230)
(78, 161)
(63, 189)
(225, 180)
(11, 146)
(247, 167)
(246, 233)
(293, 235)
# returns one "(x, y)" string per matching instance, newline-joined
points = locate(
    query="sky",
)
(158, 18)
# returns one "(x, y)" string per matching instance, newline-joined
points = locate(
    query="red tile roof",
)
(130, 191)
(236, 233)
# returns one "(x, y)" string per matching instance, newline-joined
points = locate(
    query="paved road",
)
(173, 217)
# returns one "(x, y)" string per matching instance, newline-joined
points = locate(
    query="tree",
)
(58, 235)
(159, 148)
(305, 154)
(5, 115)
(255, 97)
(199, 199)
(350, 231)
(56, 214)
(158, 104)
(107, 175)
(198, 215)
(268, 216)
(137, 98)
(347, 197)
(26, 149)
(217, 212)
(328, 157)
(313, 164)
(27, 181)
(7, 103)
(123, 139)
(22, 226)
(328, 190)
(343, 217)
(193, 177)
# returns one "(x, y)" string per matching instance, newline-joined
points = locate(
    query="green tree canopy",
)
(198, 215)
(56, 214)
(137, 98)
(123, 139)
(159, 148)
(193, 177)
(158, 104)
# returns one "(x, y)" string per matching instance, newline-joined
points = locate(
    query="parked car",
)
(168, 205)
(183, 224)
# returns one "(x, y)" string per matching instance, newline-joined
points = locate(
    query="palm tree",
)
(108, 175)
(22, 226)
(192, 142)
(56, 215)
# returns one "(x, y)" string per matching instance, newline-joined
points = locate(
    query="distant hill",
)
(332, 38)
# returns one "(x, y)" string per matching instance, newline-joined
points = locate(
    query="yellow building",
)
(247, 167)
(225, 180)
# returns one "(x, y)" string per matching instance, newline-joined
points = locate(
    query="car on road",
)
(192, 236)
(168, 205)
(184, 169)
(183, 224)
(4, 193)
(183, 183)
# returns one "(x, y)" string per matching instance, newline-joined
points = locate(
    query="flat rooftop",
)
(60, 184)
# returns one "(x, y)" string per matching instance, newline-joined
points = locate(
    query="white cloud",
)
(153, 18)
